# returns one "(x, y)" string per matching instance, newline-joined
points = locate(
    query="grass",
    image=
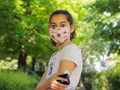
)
(12, 80)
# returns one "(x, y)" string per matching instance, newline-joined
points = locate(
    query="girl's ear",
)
(72, 28)
(48, 27)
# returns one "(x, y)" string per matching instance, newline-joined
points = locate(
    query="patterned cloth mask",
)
(59, 35)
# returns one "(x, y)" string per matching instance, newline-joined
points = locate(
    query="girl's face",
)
(60, 28)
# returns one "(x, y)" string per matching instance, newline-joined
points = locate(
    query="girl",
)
(67, 58)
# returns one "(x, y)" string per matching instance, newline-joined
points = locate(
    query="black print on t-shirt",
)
(51, 68)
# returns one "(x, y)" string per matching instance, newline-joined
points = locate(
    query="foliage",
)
(10, 80)
(25, 24)
(105, 16)
(113, 77)
(21, 27)
(11, 65)
(100, 82)
(107, 80)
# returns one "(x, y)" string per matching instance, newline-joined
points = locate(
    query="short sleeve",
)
(71, 53)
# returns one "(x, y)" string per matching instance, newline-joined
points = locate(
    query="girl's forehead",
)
(58, 18)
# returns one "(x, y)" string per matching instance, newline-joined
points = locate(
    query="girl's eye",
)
(63, 25)
(53, 26)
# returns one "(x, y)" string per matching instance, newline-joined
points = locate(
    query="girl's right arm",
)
(46, 84)
(43, 84)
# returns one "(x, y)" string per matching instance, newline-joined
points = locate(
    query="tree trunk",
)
(22, 61)
(33, 64)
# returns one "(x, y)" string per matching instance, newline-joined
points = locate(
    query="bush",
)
(100, 82)
(107, 80)
(10, 80)
(113, 77)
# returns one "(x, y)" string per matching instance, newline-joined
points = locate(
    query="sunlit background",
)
(24, 36)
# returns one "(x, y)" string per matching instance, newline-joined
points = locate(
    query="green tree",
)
(105, 18)
(25, 25)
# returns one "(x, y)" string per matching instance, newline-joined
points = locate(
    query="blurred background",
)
(25, 46)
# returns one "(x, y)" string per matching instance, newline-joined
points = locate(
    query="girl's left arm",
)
(65, 65)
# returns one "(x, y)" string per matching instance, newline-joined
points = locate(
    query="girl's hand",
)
(55, 85)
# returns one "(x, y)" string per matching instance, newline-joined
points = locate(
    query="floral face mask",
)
(59, 35)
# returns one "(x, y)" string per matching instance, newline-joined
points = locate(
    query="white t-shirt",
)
(69, 52)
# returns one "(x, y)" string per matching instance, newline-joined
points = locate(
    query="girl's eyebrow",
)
(63, 22)
(52, 23)
(60, 22)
